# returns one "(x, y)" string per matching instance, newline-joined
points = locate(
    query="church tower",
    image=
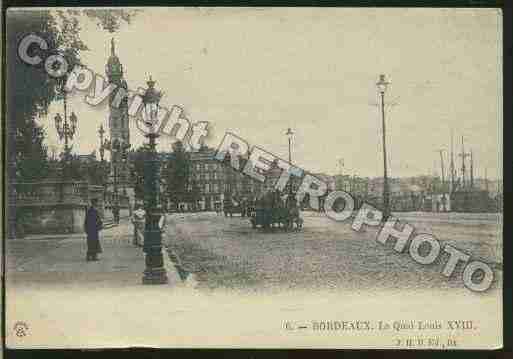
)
(118, 122)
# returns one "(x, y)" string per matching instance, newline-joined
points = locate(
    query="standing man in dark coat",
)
(92, 226)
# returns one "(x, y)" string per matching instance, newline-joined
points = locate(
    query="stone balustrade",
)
(56, 207)
(49, 193)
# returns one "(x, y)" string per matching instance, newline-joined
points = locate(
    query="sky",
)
(257, 72)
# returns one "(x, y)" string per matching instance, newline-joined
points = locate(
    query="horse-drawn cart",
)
(270, 211)
(231, 207)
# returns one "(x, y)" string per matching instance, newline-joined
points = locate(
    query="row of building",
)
(215, 181)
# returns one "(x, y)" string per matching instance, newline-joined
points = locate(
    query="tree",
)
(176, 174)
(30, 90)
(137, 159)
(30, 154)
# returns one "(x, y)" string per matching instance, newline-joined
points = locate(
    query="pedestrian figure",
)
(115, 212)
(218, 207)
(444, 203)
(227, 205)
(92, 226)
(138, 220)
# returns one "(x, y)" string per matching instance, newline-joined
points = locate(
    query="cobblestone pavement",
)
(228, 253)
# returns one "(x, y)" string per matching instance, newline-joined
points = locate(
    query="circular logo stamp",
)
(21, 329)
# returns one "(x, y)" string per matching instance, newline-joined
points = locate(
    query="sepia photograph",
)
(246, 177)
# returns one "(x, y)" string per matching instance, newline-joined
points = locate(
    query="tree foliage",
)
(137, 159)
(176, 174)
(110, 19)
(30, 90)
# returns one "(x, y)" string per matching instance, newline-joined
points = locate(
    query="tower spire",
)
(150, 82)
(114, 68)
(112, 47)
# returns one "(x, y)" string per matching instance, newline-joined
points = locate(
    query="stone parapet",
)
(55, 207)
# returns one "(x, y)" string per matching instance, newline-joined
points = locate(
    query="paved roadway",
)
(228, 253)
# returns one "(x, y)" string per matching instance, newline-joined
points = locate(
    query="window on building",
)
(207, 187)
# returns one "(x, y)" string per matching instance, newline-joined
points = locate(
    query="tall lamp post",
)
(290, 134)
(66, 130)
(125, 148)
(117, 150)
(106, 144)
(114, 159)
(382, 85)
(155, 273)
(103, 146)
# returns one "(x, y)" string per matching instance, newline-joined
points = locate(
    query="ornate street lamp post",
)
(116, 149)
(66, 130)
(103, 146)
(290, 134)
(155, 273)
(125, 147)
(106, 144)
(114, 160)
(382, 85)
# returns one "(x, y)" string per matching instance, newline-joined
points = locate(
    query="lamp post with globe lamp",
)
(382, 85)
(66, 130)
(155, 273)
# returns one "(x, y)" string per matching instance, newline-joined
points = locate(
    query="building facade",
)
(215, 181)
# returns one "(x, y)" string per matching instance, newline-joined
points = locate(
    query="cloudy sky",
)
(257, 72)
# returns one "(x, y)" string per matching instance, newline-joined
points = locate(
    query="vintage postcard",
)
(254, 178)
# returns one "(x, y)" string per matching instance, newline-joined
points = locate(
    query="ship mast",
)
(453, 170)
(441, 151)
(486, 179)
(471, 169)
(463, 156)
